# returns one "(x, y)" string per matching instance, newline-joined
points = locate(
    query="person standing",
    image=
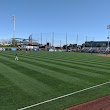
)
(16, 56)
(26, 50)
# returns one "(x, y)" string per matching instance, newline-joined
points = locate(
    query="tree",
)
(70, 46)
(87, 44)
(14, 42)
(75, 46)
(64, 46)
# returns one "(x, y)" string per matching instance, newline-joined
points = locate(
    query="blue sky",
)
(74, 17)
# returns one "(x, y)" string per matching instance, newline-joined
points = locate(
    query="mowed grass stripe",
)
(84, 82)
(21, 80)
(43, 70)
(4, 82)
(66, 86)
(22, 84)
(81, 82)
(103, 65)
(69, 56)
(80, 61)
(85, 76)
(34, 73)
(29, 85)
(80, 66)
(66, 68)
(68, 82)
(84, 73)
(74, 64)
(5, 58)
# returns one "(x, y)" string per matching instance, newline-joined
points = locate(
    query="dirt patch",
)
(98, 104)
(104, 55)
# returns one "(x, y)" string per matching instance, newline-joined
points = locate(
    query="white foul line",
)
(62, 96)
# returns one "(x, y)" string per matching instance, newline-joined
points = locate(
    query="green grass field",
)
(40, 76)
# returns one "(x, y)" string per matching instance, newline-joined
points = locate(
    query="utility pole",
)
(77, 40)
(41, 38)
(46, 41)
(38, 41)
(66, 41)
(86, 38)
(53, 39)
(14, 21)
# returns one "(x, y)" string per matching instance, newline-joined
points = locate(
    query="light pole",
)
(41, 38)
(77, 42)
(53, 39)
(108, 42)
(14, 19)
(66, 42)
(108, 27)
(86, 38)
(60, 44)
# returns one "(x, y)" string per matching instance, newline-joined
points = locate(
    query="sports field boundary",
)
(63, 96)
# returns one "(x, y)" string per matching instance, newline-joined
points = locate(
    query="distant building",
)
(96, 44)
(5, 44)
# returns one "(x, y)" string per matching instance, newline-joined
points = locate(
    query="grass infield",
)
(40, 76)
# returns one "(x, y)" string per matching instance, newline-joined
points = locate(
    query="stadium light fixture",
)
(108, 27)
